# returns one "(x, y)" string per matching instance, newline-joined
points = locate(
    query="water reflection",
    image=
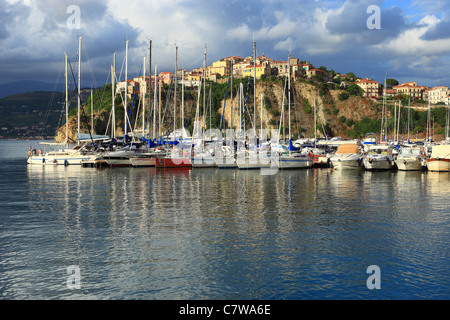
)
(143, 233)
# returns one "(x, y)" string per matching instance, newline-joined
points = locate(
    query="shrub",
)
(343, 96)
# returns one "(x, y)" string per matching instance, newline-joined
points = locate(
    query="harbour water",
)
(143, 233)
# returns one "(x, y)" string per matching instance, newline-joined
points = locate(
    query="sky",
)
(408, 40)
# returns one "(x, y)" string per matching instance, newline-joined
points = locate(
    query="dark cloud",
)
(352, 21)
(439, 31)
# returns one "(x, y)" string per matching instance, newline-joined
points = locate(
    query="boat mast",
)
(67, 103)
(398, 121)
(315, 122)
(126, 89)
(254, 85)
(409, 116)
(143, 98)
(154, 104)
(204, 89)
(231, 93)
(289, 97)
(175, 95)
(448, 123)
(79, 89)
(92, 111)
(149, 77)
(395, 121)
(182, 102)
(113, 92)
(383, 112)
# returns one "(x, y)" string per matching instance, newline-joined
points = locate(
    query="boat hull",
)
(226, 163)
(295, 162)
(247, 163)
(202, 162)
(173, 163)
(378, 164)
(346, 164)
(58, 160)
(439, 165)
(118, 162)
(142, 162)
(409, 164)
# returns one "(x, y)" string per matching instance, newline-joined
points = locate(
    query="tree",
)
(391, 83)
(354, 90)
(351, 75)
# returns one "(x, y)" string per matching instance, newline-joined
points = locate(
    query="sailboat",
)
(225, 155)
(178, 157)
(293, 158)
(202, 156)
(250, 154)
(73, 156)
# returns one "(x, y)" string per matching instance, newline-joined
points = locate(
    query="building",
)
(143, 85)
(297, 71)
(438, 94)
(221, 67)
(280, 68)
(371, 87)
(166, 78)
(320, 73)
(120, 87)
(259, 69)
(447, 101)
(238, 69)
(411, 89)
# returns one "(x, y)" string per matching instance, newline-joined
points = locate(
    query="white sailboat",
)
(202, 156)
(67, 156)
(254, 156)
(292, 159)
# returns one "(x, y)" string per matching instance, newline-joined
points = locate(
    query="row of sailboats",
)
(245, 150)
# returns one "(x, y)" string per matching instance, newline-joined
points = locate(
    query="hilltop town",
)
(265, 67)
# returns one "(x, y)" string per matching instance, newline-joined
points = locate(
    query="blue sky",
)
(413, 43)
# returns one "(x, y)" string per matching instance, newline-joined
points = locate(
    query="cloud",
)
(351, 20)
(37, 36)
(439, 30)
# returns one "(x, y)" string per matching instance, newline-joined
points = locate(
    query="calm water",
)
(138, 233)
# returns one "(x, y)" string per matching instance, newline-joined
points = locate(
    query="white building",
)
(438, 94)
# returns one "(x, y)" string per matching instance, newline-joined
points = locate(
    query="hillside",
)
(33, 114)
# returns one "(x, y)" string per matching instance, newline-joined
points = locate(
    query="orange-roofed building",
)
(371, 87)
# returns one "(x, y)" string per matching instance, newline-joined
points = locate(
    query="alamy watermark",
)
(374, 21)
(374, 281)
(73, 22)
(74, 278)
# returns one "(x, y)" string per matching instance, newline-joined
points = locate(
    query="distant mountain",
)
(7, 89)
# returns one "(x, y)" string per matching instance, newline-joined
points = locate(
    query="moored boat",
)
(409, 159)
(440, 159)
(379, 157)
(347, 156)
